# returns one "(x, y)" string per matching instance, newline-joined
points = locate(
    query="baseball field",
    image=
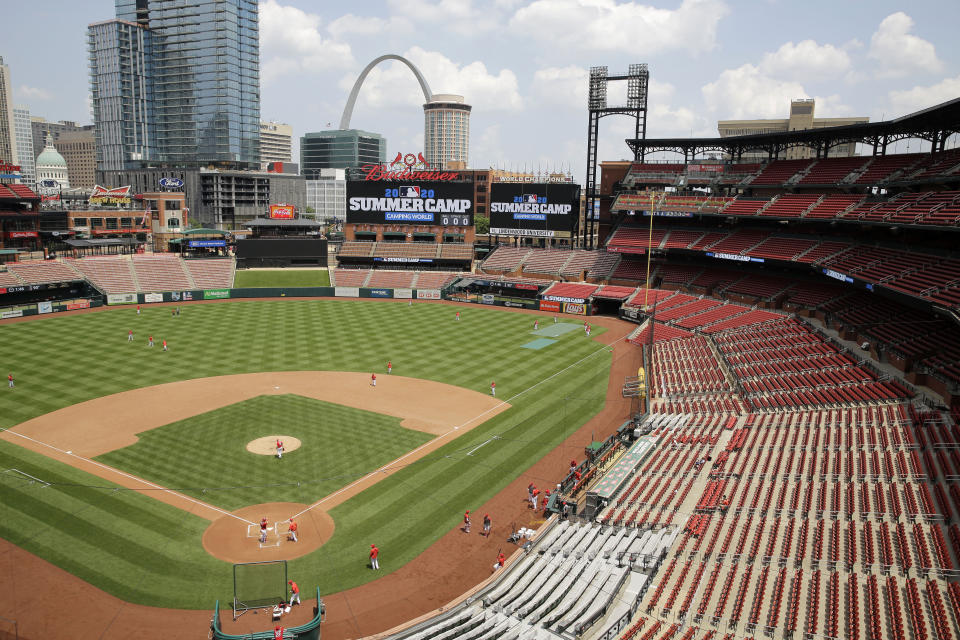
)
(88, 403)
(282, 278)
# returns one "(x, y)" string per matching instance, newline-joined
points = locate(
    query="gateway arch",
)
(352, 99)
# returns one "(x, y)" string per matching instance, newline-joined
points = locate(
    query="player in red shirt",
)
(373, 379)
(164, 345)
(389, 366)
(493, 389)
(458, 316)
(278, 632)
(374, 552)
(150, 341)
(10, 381)
(138, 309)
(130, 335)
(292, 530)
(466, 522)
(294, 592)
(263, 529)
(501, 559)
(279, 448)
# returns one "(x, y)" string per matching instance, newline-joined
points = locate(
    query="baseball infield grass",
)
(144, 551)
(209, 451)
(281, 278)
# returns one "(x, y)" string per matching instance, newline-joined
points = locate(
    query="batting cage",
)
(258, 584)
(308, 631)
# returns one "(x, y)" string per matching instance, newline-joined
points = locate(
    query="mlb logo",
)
(409, 192)
(530, 197)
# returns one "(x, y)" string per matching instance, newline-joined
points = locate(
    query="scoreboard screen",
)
(445, 204)
(545, 210)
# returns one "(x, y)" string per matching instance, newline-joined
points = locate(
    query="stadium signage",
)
(565, 299)
(281, 211)
(153, 297)
(541, 210)
(836, 275)
(733, 256)
(507, 285)
(549, 305)
(216, 294)
(428, 294)
(121, 298)
(508, 231)
(406, 294)
(22, 234)
(78, 304)
(45, 307)
(488, 298)
(11, 314)
(669, 214)
(436, 203)
(522, 179)
(381, 293)
(575, 307)
(406, 166)
(401, 259)
(103, 195)
(171, 183)
(346, 292)
(207, 243)
(17, 289)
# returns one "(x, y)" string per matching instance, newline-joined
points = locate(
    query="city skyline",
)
(523, 66)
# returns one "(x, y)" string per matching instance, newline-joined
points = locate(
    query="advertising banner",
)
(381, 293)
(445, 204)
(45, 307)
(428, 294)
(564, 299)
(207, 243)
(550, 305)
(22, 234)
(121, 298)
(78, 304)
(216, 294)
(575, 307)
(103, 195)
(282, 211)
(534, 209)
(177, 296)
(404, 294)
(16, 313)
(346, 292)
(488, 298)
(153, 297)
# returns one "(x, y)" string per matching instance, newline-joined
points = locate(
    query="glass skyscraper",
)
(340, 149)
(201, 75)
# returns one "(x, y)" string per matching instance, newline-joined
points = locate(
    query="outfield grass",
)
(144, 551)
(209, 451)
(281, 278)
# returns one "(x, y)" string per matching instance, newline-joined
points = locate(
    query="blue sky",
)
(522, 64)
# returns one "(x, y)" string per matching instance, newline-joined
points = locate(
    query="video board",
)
(445, 204)
(544, 210)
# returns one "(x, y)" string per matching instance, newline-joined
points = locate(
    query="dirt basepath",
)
(442, 573)
(75, 434)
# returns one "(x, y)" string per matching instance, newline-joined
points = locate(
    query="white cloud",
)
(910, 100)
(456, 16)
(898, 52)
(805, 61)
(747, 92)
(33, 93)
(291, 43)
(566, 86)
(349, 24)
(392, 84)
(628, 27)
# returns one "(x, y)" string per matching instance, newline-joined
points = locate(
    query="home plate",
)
(276, 387)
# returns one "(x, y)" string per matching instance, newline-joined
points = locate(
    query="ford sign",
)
(49, 184)
(171, 183)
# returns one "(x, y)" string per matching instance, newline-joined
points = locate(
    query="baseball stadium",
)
(731, 412)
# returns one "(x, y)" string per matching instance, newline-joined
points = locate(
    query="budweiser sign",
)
(406, 167)
(103, 195)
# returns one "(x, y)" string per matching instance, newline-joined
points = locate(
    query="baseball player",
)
(466, 522)
(501, 559)
(263, 536)
(374, 552)
(278, 632)
(279, 448)
(458, 316)
(554, 319)
(536, 325)
(150, 341)
(573, 467)
(533, 498)
(263, 526)
(487, 523)
(389, 367)
(178, 310)
(545, 499)
(173, 312)
(130, 335)
(294, 592)
(373, 380)
(138, 309)
(10, 381)
(165, 344)
(493, 389)
(292, 531)
(588, 330)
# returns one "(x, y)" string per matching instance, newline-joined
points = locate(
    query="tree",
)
(311, 210)
(482, 223)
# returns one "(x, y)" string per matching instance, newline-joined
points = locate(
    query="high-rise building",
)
(24, 139)
(801, 117)
(276, 143)
(340, 149)
(40, 128)
(78, 148)
(446, 131)
(327, 195)
(121, 89)
(8, 147)
(191, 70)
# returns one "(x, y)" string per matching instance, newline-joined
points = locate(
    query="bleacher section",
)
(160, 272)
(349, 277)
(833, 170)
(211, 273)
(505, 259)
(113, 274)
(391, 279)
(571, 290)
(790, 205)
(780, 171)
(42, 272)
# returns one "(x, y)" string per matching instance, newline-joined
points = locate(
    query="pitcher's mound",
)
(267, 445)
(234, 537)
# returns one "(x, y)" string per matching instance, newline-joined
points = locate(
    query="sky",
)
(523, 65)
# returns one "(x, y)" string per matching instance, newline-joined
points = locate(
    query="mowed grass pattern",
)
(206, 457)
(63, 360)
(282, 278)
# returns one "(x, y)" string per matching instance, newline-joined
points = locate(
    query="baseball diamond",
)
(188, 459)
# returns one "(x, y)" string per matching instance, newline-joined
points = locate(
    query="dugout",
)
(279, 242)
(505, 293)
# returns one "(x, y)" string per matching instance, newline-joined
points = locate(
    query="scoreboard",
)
(545, 210)
(445, 204)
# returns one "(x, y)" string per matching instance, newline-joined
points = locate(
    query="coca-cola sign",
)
(407, 166)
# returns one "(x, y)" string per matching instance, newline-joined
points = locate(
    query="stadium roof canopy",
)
(934, 125)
